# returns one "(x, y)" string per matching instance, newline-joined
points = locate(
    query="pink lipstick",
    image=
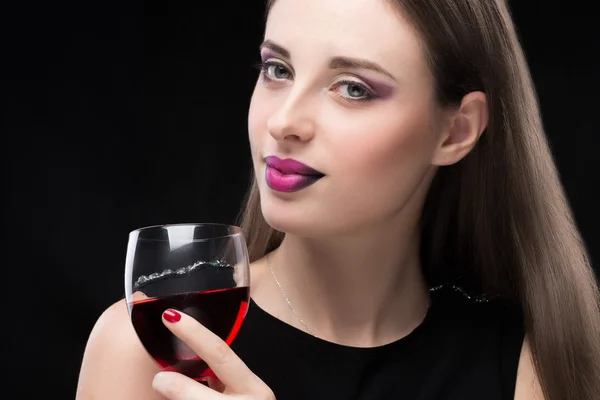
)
(289, 175)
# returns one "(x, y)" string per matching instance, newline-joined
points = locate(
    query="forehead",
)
(354, 28)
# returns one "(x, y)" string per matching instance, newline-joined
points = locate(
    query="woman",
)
(419, 246)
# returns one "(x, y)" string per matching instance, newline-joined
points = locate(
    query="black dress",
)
(463, 350)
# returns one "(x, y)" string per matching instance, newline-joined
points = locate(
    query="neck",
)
(363, 291)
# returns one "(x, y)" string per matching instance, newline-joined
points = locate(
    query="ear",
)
(463, 129)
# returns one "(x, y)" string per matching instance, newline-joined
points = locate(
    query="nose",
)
(293, 120)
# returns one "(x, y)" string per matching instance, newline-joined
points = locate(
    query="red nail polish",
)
(172, 316)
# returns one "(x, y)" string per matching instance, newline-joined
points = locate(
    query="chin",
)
(292, 217)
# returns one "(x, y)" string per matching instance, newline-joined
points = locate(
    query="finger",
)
(175, 386)
(215, 384)
(226, 365)
(137, 296)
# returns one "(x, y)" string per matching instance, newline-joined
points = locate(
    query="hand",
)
(234, 379)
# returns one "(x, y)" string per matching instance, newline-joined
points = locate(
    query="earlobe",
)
(464, 128)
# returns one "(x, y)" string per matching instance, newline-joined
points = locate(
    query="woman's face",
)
(345, 90)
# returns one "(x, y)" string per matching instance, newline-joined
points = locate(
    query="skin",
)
(349, 262)
(355, 229)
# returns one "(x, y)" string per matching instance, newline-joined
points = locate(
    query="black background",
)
(122, 115)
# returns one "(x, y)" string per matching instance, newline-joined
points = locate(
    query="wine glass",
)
(201, 270)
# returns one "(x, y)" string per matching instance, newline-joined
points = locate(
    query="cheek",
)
(263, 105)
(386, 146)
(385, 159)
(258, 115)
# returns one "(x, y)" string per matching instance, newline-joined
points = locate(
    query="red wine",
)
(221, 311)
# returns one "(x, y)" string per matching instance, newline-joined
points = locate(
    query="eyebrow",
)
(269, 44)
(335, 62)
(359, 63)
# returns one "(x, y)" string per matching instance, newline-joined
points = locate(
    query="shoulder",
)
(493, 325)
(528, 384)
(503, 325)
(115, 365)
(491, 332)
(493, 315)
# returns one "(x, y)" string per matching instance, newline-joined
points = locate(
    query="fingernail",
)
(159, 382)
(172, 316)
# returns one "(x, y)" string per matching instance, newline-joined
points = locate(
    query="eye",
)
(353, 90)
(272, 70)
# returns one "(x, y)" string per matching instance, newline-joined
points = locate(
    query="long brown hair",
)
(498, 220)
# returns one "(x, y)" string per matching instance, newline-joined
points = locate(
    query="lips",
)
(289, 175)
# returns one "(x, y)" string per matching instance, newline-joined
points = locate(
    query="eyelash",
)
(263, 67)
